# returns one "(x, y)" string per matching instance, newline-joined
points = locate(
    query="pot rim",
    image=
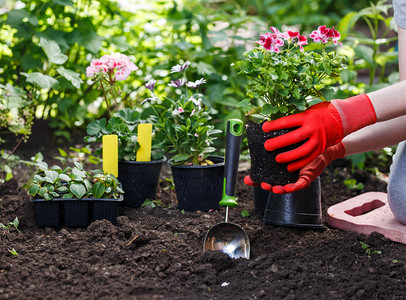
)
(121, 198)
(163, 159)
(219, 164)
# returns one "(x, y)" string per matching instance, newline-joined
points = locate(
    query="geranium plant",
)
(107, 70)
(284, 76)
(183, 120)
(123, 124)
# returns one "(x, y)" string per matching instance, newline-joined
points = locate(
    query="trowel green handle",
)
(232, 157)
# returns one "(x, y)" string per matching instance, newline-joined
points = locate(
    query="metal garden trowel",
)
(228, 237)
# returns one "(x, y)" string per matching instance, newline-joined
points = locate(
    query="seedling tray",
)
(74, 212)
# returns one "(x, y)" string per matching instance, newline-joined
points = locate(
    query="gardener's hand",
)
(313, 170)
(320, 126)
(307, 175)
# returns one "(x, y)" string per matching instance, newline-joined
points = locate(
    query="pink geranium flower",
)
(108, 69)
(270, 41)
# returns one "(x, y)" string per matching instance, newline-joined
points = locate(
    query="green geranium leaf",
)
(269, 109)
(53, 52)
(71, 76)
(44, 81)
(96, 127)
(78, 190)
(129, 115)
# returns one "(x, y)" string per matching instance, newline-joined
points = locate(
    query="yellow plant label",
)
(110, 154)
(145, 140)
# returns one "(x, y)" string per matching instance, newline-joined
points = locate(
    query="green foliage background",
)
(159, 34)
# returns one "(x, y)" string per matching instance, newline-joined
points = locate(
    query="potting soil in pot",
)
(264, 167)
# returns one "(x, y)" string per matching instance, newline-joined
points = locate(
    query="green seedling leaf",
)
(79, 166)
(148, 202)
(52, 175)
(15, 223)
(34, 190)
(67, 196)
(13, 251)
(78, 174)
(42, 191)
(39, 178)
(63, 189)
(98, 189)
(62, 152)
(78, 190)
(48, 197)
(64, 177)
(245, 213)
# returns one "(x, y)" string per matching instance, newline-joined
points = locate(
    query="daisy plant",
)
(182, 121)
(287, 72)
(107, 70)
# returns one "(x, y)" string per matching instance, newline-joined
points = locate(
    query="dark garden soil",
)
(156, 253)
(264, 167)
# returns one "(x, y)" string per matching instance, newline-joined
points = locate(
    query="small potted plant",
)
(183, 125)
(72, 196)
(285, 79)
(139, 178)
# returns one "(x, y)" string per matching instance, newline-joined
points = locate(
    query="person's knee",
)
(397, 201)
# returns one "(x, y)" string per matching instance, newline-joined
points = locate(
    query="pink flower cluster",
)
(275, 39)
(326, 35)
(116, 64)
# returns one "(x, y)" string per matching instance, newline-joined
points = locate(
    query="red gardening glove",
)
(311, 171)
(322, 125)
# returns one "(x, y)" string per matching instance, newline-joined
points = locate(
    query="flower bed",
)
(156, 253)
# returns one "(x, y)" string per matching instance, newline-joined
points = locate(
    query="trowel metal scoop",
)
(228, 237)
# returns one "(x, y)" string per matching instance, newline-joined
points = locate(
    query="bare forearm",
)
(376, 136)
(390, 102)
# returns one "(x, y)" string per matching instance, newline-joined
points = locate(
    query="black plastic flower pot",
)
(76, 212)
(260, 200)
(298, 209)
(47, 213)
(140, 180)
(106, 209)
(264, 167)
(199, 187)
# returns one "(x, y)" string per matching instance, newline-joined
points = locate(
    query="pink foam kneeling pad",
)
(365, 214)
